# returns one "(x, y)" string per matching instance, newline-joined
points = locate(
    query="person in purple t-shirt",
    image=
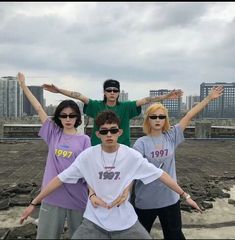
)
(64, 144)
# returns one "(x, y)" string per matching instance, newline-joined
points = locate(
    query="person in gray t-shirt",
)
(158, 146)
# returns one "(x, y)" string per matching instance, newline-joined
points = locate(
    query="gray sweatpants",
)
(52, 219)
(89, 230)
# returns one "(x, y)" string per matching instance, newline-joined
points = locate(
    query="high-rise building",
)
(28, 109)
(224, 106)
(191, 101)
(123, 96)
(3, 97)
(173, 105)
(11, 100)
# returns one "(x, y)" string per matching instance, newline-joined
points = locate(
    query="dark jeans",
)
(170, 219)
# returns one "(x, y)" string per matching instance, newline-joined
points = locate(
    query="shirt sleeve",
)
(139, 146)
(147, 172)
(133, 109)
(87, 143)
(47, 130)
(179, 135)
(176, 135)
(72, 174)
(90, 109)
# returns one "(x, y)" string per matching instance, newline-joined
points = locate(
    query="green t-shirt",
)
(124, 110)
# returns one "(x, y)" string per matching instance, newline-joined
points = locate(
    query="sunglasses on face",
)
(156, 117)
(67, 115)
(111, 130)
(112, 90)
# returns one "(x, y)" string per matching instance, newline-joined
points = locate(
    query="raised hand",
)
(21, 78)
(51, 88)
(193, 204)
(174, 94)
(27, 212)
(216, 92)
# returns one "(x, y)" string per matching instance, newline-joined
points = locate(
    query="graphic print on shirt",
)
(62, 149)
(109, 173)
(159, 153)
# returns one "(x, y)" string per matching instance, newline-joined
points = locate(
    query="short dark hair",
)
(65, 104)
(107, 116)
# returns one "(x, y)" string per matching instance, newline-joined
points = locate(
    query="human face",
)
(111, 94)
(68, 118)
(109, 140)
(158, 123)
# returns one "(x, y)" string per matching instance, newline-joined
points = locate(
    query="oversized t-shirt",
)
(62, 151)
(124, 110)
(109, 174)
(160, 151)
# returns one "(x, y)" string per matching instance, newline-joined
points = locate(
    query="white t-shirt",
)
(109, 183)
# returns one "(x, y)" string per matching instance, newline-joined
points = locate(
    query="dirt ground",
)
(197, 162)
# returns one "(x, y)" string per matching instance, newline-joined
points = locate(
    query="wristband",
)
(93, 194)
(34, 204)
(181, 195)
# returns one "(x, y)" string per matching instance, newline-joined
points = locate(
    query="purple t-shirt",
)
(62, 151)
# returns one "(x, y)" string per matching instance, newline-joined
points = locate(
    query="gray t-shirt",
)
(161, 152)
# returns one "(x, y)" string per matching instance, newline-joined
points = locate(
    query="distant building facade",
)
(173, 105)
(11, 97)
(224, 106)
(191, 101)
(123, 96)
(28, 109)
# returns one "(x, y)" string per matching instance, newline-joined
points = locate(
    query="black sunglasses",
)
(68, 115)
(112, 90)
(156, 117)
(111, 130)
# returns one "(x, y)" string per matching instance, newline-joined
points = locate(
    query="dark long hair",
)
(66, 104)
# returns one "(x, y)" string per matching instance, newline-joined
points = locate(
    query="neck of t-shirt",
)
(111, 103)
(110, 149)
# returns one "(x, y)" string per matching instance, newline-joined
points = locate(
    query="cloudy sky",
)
(78, 45)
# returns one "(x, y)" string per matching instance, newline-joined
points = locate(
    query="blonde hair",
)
(152, 108)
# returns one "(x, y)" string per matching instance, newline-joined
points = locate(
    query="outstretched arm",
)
(52, 88)
(172, 184)
(174, 94)
(32, 99)
(52, 186)
(214, 93)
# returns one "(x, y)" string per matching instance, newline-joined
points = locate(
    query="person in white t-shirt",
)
(109, 168)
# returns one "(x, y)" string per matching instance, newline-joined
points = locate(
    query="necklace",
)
(108, 168)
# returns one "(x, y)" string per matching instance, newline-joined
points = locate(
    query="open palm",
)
(216, 92)
(51, 88)
(174, 94)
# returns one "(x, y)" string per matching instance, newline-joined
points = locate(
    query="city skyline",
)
(153, 45)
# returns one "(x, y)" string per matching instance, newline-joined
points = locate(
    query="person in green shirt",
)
(125, 110)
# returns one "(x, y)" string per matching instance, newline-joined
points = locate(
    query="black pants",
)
(169, 217)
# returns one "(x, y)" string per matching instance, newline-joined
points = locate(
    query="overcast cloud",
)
(78, 45)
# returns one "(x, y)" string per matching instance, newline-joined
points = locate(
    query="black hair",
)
(111, 83)
(65, 104)
(107, 116)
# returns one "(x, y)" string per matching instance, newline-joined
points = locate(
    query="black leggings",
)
(169, 217)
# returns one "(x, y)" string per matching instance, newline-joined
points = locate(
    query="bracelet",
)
(93, 194)
(187, 197)
(182, 194)
(34, 204)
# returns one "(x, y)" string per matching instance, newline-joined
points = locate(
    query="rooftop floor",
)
(196, 160)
